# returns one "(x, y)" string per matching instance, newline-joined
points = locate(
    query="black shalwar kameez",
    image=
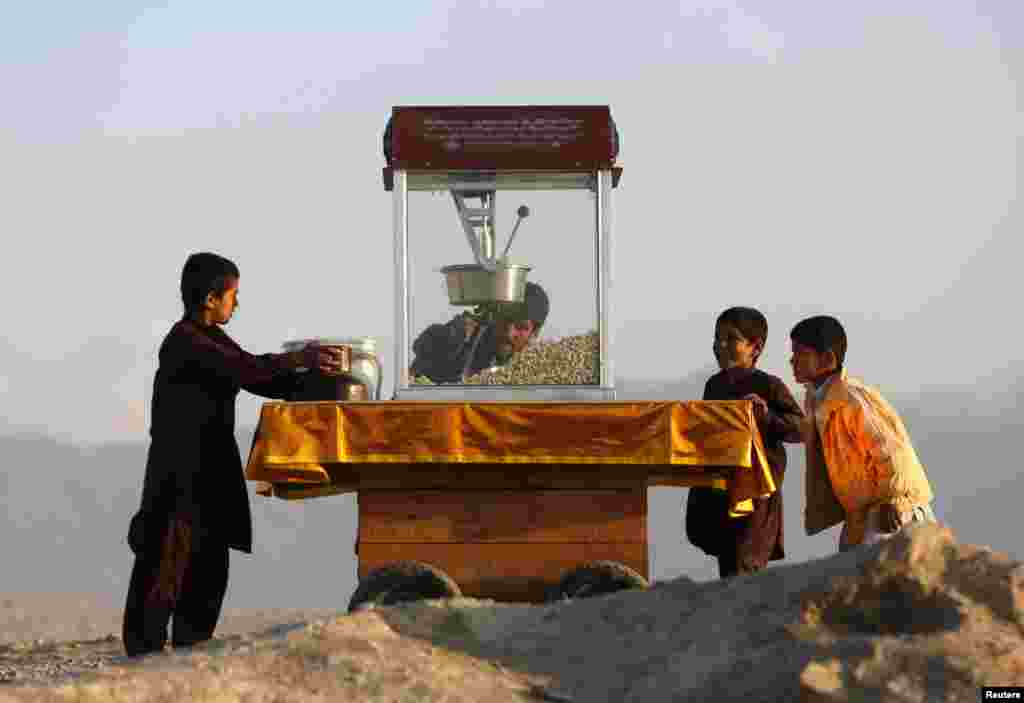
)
(746, 544)
(194, 473)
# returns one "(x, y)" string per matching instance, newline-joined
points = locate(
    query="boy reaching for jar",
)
(194, 505)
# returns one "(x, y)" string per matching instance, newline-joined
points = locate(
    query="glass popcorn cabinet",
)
(488, 201)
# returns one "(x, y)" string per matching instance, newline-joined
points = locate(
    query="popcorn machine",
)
(456, 175)
(503, 467)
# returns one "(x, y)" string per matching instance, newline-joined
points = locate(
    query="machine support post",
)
(400, 200)
(603, 276)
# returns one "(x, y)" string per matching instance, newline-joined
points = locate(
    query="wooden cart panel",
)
(506, 545)
(502, 516)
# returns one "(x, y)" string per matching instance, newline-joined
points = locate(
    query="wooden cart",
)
(511, 501)
(519, 492)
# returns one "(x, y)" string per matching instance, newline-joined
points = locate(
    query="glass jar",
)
(365, 364)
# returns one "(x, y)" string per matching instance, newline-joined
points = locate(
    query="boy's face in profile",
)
(809, 364)
(223, 306)
(734, 351)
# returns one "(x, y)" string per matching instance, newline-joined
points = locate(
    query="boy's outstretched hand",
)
(760, 406)
(325, 359)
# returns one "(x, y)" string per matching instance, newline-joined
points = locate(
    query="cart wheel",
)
(400, 582)
(598, 578)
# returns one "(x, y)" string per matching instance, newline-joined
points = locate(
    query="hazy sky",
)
(857, 158)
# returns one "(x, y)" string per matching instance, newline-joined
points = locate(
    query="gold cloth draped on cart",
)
(308, 449)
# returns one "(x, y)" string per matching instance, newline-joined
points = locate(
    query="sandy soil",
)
(48, 638)
(917, 618)
(64, 617)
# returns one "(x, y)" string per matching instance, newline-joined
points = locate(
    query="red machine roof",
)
(525, 137)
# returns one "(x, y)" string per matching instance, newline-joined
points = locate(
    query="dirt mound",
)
(351, 658)
(919, 618)
(928, 619)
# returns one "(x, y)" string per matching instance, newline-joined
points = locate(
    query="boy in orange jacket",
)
(862, 469)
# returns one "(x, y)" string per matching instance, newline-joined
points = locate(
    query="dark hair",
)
(537, 305)
(205, 273)
(534, 307)
(822, 333)
(750, 322)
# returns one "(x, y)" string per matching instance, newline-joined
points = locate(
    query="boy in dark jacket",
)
(462, 347)
(194, 502)
(746, 544)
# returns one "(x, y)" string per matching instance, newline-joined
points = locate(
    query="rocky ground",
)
(53, 638)
(919, 618)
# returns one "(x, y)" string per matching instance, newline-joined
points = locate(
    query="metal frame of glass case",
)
(599, 182)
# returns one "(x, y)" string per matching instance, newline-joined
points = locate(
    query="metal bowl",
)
(334, 387)
(472, 284)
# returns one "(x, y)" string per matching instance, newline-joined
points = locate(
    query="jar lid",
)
(362, 343)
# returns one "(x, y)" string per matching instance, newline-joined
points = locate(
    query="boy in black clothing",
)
(460, 348)
(195, 506)
(744, 545)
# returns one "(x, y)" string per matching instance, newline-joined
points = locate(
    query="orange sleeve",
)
(850, 455)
